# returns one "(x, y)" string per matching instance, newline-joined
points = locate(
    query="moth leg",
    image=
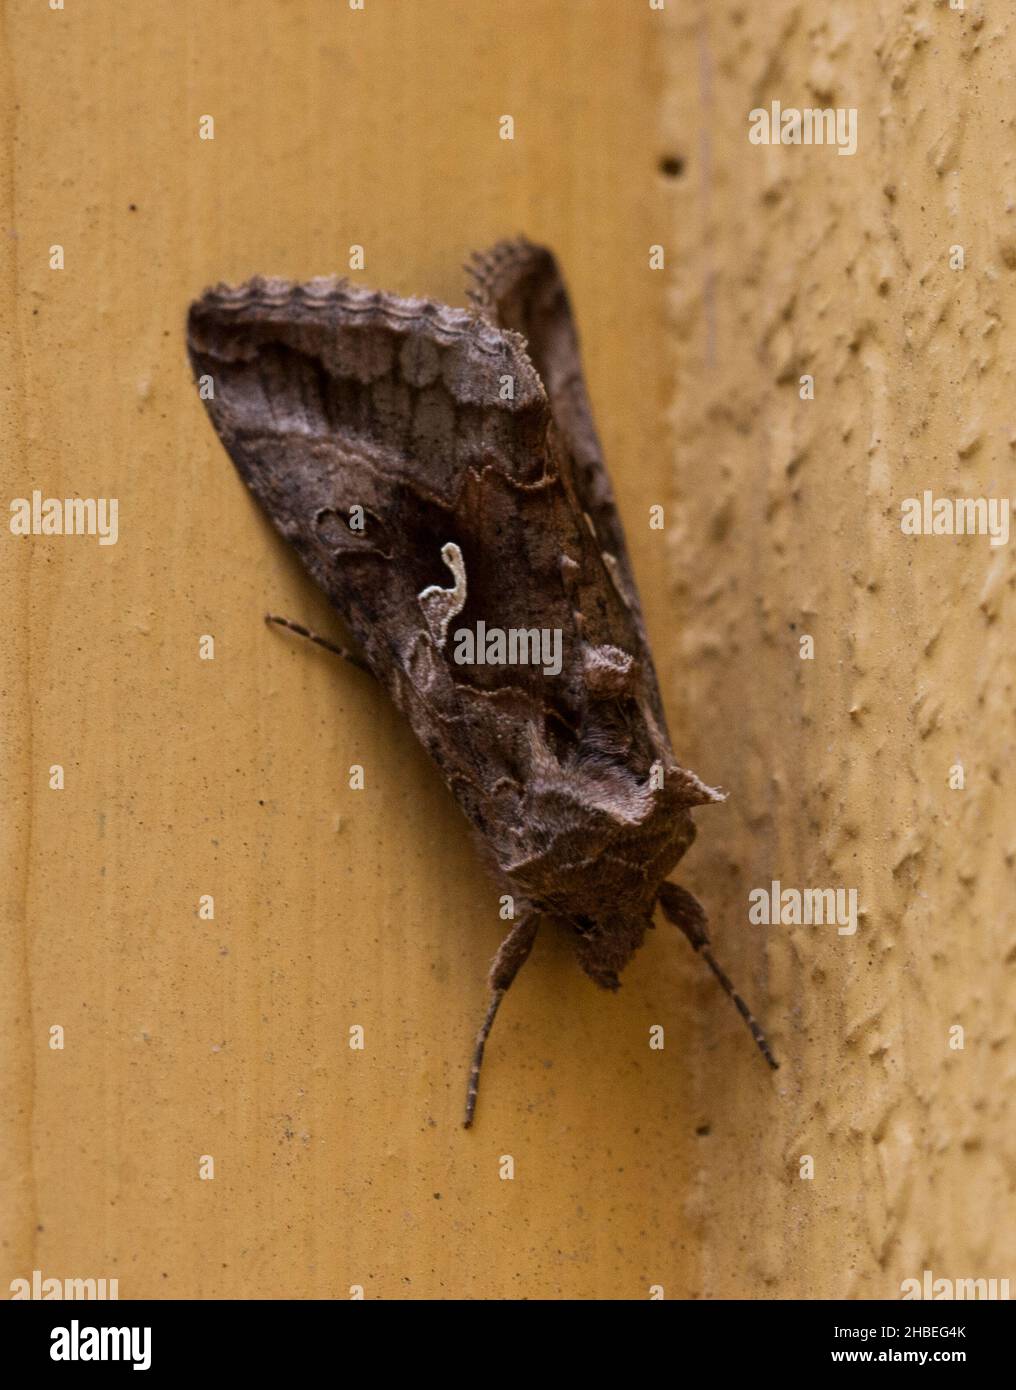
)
(302, 631)
(687, 913)
(512, 955)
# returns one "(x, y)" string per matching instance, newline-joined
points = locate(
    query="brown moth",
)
(440, 476)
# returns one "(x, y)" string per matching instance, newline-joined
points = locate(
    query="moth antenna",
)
(742, 1007)
(481, 1043)
(302, 631)
(512, 955)
(687, 913)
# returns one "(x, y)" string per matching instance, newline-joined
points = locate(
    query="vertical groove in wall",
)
(18, 1037)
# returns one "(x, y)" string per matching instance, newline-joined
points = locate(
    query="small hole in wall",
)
(671, 166)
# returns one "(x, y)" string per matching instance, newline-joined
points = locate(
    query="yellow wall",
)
(186, 1037)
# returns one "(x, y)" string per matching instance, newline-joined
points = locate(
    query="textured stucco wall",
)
(186, 1037)
(798, 261)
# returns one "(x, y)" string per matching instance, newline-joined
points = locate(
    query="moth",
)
(438, 472)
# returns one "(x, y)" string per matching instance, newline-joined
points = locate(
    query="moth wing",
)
(409, 453)
(357, 419)
(519, 285)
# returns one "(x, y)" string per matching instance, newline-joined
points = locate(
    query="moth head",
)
(604, 945)
(596, 870)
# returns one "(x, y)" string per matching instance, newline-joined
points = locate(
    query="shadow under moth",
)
(439, 474)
